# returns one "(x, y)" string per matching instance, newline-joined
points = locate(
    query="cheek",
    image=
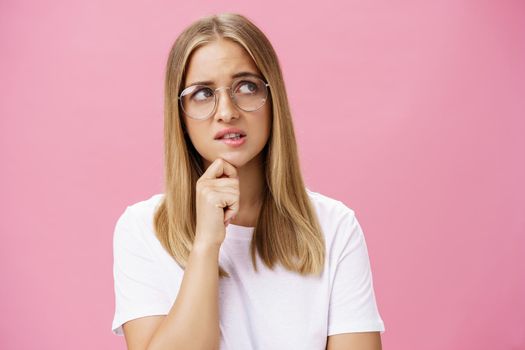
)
(195, 134)
(261, 126)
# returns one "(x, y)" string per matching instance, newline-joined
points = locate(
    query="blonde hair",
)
(287, 229)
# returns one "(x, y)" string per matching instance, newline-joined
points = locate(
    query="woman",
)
(238, 254)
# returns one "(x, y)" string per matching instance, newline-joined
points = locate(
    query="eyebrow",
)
(236, 75)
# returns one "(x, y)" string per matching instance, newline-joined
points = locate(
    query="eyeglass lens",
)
(248, 93)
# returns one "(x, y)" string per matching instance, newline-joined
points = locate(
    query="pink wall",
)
(410, 112)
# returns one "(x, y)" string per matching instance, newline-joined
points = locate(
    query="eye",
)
(202, 94)
(246, 87)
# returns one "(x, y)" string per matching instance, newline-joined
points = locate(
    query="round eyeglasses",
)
(248, 93)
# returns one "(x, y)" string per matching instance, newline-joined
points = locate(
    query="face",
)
(217, 62)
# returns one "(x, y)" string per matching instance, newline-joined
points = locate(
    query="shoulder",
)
(338, 222)
(142, 211)
(329, 209)
(135, 223)
(146, 206)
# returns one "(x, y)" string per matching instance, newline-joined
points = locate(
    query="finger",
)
(226, 191)
(229, 214)
(230, 203)
(224, 183)
(218, 168)
(229, 170)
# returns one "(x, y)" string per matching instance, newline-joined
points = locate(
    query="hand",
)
(217, 201)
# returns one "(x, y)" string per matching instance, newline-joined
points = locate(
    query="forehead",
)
(217, 61)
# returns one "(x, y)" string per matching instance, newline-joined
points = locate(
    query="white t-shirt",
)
(276, 309)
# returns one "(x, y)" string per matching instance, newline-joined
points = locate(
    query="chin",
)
(237, 160)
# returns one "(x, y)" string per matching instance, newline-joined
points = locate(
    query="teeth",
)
(231, 136)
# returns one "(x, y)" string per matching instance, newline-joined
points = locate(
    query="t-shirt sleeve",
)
(138, 282)
(352, 300)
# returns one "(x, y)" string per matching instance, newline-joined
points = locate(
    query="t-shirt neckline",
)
(239, 232)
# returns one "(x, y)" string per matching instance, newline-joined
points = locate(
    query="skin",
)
(218, 61)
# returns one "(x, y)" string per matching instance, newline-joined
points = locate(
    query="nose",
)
(226, 108)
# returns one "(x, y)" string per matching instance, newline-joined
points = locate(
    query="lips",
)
(223, 132)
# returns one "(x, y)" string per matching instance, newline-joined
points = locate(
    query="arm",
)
(355, 341)
(193, 321)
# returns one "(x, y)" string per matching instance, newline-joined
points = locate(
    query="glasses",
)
(247, 93)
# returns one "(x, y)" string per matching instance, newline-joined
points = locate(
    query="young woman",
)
(238, 253)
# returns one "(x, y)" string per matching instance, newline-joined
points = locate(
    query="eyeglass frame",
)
(215, 97)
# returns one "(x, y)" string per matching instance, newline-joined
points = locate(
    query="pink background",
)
(410, 112)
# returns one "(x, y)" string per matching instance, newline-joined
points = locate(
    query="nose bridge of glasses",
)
(222, 87)
(228, 95)
(228, 106)
(216, 91)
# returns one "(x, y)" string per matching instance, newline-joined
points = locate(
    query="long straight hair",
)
(287, 230)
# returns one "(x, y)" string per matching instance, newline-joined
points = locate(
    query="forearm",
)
(193, 321)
